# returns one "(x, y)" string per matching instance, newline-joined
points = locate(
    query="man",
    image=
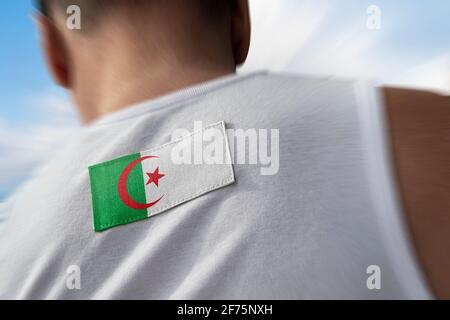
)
(328, 223)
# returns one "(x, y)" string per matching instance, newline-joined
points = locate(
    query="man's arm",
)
(419, 124)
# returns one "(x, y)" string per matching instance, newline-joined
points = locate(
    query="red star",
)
(154, 177)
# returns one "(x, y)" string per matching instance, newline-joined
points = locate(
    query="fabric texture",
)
(309, 231)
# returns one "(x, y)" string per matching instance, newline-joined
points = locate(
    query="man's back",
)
(311, 228)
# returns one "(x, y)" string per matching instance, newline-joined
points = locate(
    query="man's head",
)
(127, 41)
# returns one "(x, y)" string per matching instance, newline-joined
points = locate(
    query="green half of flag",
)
(109, 209)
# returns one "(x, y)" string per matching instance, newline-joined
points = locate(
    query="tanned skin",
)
(419, 125)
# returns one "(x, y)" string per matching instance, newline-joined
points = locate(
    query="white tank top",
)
(326, 223)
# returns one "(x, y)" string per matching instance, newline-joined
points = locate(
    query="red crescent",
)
(123, 191)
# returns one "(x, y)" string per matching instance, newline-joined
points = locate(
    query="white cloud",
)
(280, 28)
(24, 146)
(310, 37)
(433, 74)
(347, 54)
(52, 107)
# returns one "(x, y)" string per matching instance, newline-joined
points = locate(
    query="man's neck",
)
(117, 93)
(121, 93)
(114, 74)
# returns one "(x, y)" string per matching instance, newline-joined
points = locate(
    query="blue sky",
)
(35, 115)
(22, 67)
(325, 37)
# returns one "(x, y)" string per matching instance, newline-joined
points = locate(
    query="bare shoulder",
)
(419, 125)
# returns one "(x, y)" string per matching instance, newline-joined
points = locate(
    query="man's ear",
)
(54, 50)
(240, 30)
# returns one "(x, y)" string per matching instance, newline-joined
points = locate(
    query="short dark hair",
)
(44, 6)
(213, 8)
(41, 6)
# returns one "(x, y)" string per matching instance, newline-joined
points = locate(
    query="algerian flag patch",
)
(141, 185)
